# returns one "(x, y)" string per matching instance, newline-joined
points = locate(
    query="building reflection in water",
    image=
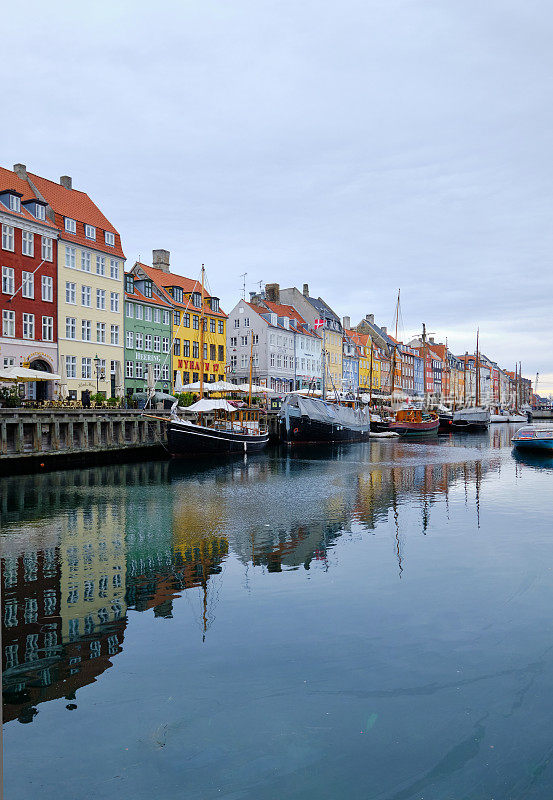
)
(82, 550)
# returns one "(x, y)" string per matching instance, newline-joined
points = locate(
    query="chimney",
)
(256, 300)
(370, 318)
(346, 323)
(431, 339)
(306, 290)
(272, 292)
(160, 260)
(66, 182)
(21, 171)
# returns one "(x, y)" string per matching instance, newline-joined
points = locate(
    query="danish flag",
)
(319, 323)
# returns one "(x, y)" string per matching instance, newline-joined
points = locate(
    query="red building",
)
(28, 296)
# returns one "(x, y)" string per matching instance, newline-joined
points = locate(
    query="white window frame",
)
(15, 203)
(129, 369)
(86, 261)
(71, 293)
(114, 269)
(28, 285)
(109, 238)
(47, 248)
(71, 366)
(139, 339)
(114, 302)
(148, 342)
(28, 326)
(71, 328)
(129, 340)
(47, 289)
(90, 232)
(8, 323)
(165, 344)
(40, 211)
(27, 243)
(70, 225)
(86, 296)
(70, 256)
(86, 330)
(47, 329)
(129, 310)
(166, 318)
(101, 299)
(139, 312)
(100, 265)
(101, 332)
(86, 368)
(8, 238)
(157, 344)
(114, 334)
(8, 280)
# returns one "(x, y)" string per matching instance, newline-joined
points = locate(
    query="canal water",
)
(370, 621)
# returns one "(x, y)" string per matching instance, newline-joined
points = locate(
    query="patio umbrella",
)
(245, 387)
(26, 375)
(119, 391)
(62, 389)
(178, 383)
(211, 405)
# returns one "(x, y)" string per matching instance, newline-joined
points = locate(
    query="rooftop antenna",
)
(243, 276)
(260, 284)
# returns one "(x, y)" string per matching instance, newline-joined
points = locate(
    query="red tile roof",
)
(9, 180)
(154, 300)
(188, 285)
(78, 206)
(284, 310)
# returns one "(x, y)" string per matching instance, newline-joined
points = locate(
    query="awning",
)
(26, 375)
(206, 404)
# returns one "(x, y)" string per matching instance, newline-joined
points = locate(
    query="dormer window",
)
(40, 211)
(90, 231)
(196, 299)
(147, 288)
(15, 203)
(178, 294)
(129, 284)
(109, 238)
(214, 303)
(70, 225)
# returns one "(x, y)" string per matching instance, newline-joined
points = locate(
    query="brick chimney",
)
(272, 292)
(21, 171)
(160, 260)
(370, 318)
(346, 323)
(306, 290)
(66, 181)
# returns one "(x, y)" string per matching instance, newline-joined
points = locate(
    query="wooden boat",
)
(446, 421)
(538, 437)
(415, 422)
(311, 420)
(471, 419)
(218, 429)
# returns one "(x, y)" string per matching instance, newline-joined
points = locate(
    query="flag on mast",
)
(319, 323)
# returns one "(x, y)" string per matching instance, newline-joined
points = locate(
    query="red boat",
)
(415, 422)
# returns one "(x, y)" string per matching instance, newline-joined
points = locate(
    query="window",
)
(28, 326)
(109, 238)
(70, 257)
(165, 344)
(139, 369)
(71, 366)
(86, 368)
(272, 359)
(243, 360)
(8, 280)
(100, 265)
(114, 268)
(129, 369)
(115, 334)
(157, 315)
(47, 325)
(221, 353)
(212, 327)
(221, 325)
(28, 285)
(147, 288)
(256, 338)
(139, 313)
(243, 341)
(139, 341)
(186, 320)
(176, 318)
(196, 322)
(90, 231)
(165, 372)
(285, 362)
(70, 225)
(157, 344)
(186, 348)
(212, 352)
(70, 328)
(8, 323)
(129, 310)
(166, 318)
(101, 299)
(129, 340)
(86, 296)
(40, 211)
(195, 349)
(156, 377)
(47, 249)
(233, 362)
(147, 314)
(85, 261)
(236, 323)
(114, 301)
(148, 341)
(196, 299)
(7, 237)
(27, 243)
(246, 322)
(101, 332)
(86, 330)
(70, 292)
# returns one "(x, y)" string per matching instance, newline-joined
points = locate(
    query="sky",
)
(359, 146)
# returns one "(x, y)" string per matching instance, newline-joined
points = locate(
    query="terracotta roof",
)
(154, 301)
(9, 180)
(284, 311)
(77, 205)
(165, 279)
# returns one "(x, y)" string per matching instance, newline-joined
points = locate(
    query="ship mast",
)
(202, 339)
(465, 380)
(371, 376)
(477, 369)
(251, 367)
(424, 365)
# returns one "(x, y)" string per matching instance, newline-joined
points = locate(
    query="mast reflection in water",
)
(161, 590)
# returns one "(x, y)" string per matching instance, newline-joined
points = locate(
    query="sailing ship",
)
(219, 426)
(473, 419)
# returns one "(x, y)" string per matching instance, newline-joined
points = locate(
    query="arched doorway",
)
(40, 390)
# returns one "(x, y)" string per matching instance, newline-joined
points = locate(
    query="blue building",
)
(418, 375)
(350, 365)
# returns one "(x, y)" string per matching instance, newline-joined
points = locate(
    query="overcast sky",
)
(356, 145)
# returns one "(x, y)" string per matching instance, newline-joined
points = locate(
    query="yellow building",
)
(185, 295)
(90, 290)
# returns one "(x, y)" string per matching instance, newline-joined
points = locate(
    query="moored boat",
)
(538, 437)
(415, 422)
(471, 419)
(311, 420)
(446, 421)
(219, 428)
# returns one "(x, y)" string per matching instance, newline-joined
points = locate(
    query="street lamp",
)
(97, 364)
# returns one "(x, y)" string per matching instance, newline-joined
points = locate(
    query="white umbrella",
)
(211, 405)
(245, 387)
(190, 387)
(26, 375)
(62, 390)
(178, 383)
(221, 386)
(119, 391)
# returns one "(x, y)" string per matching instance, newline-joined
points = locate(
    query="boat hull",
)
(304, 430)
(535, 446)
(412, 429)
(186, 439)
(446, 423)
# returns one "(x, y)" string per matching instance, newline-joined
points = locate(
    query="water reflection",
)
(81, 550)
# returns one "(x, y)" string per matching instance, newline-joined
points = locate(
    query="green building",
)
(147, 337)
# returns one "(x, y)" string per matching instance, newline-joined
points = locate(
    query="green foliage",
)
(185, 399)
(9, 398)
(113, 401)
(97, 398)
